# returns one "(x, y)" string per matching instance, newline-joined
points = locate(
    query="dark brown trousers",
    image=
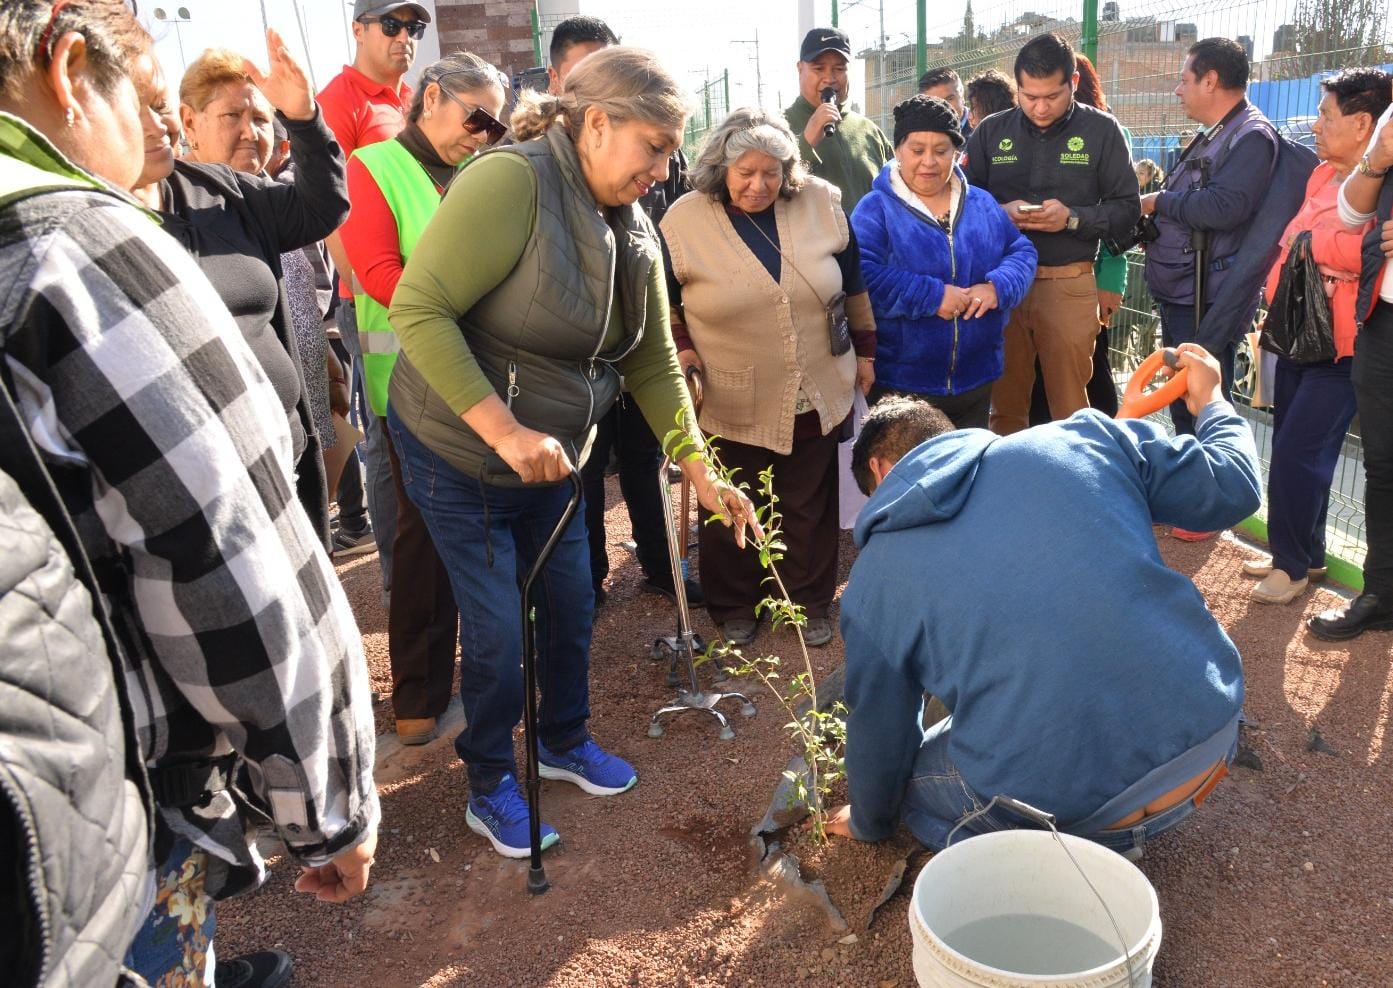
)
(805, 482)
(422, 621)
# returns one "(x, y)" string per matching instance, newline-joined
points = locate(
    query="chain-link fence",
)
(1141, 47)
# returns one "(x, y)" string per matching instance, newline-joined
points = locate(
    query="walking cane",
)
(536, 874)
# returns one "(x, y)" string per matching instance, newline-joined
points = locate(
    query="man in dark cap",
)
(838, 144)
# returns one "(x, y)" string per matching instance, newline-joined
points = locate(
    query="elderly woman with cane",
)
(767, 279)
(512, 357)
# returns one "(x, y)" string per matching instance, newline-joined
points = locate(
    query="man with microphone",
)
(837, 143)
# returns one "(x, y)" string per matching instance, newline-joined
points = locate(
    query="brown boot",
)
(415, 730)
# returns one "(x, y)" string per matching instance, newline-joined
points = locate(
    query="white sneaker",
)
(1262, 566)
(1278, 588)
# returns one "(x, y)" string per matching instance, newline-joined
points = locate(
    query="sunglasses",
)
(391, 26)
(478, 120)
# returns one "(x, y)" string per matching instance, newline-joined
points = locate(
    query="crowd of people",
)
(207, 285)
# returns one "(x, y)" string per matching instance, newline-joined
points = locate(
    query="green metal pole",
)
(1090, 30)
(725, 89)
(536, 36)
(834, 13)
(921, 44)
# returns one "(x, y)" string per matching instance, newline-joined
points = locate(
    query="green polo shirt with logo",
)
(1082, 159)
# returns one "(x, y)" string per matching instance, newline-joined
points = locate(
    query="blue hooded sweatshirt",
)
(906, 258)
(1017, 579)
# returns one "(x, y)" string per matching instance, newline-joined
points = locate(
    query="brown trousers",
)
(805, 482)
(422, 620)
(1058, 323)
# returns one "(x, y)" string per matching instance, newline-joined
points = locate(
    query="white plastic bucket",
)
(1010, 910)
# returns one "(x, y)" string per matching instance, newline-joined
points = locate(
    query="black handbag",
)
(1298, 325)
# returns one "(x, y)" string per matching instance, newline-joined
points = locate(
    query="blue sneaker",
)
(501, 816)
(590, 767)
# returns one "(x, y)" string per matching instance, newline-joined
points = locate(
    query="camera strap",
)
(1205, 139)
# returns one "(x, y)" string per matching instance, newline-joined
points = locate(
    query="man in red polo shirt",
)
(364, 104)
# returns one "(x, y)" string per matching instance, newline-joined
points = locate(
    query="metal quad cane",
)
(536, 874)
(681, 649)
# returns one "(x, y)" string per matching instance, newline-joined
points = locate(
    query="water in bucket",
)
(1024, 943)
(1011, 910)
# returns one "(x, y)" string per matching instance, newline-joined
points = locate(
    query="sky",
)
(696, 38)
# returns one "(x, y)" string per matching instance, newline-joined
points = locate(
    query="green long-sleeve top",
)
(850, 159)
(471, 245)
(1110, 270)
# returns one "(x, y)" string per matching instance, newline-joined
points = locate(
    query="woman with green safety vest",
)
(395, 188)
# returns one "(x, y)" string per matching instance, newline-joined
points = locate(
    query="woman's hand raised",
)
(286, 87)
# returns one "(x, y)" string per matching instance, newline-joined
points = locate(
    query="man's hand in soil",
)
(839, 821)
(342, 878)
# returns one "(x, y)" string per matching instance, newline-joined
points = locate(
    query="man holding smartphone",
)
(1063, 173)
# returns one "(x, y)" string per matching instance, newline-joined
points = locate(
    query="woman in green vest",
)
(395, 187)
(538, 282)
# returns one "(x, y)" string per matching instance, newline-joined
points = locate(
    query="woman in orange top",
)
(1315, 402)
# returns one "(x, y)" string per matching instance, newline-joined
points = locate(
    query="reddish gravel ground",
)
(1282, 879)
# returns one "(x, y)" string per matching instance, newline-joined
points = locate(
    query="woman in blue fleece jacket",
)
(944, 267)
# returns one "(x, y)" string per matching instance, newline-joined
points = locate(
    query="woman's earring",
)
(429, 113)
(69, 117)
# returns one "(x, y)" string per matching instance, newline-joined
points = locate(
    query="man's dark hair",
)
(1044, 55)
(939, 77)
(577, 31)
(893, 426)
(991, 92)
(1222, 56)
(1360, 91)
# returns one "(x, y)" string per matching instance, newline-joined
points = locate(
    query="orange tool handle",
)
(1137, 403)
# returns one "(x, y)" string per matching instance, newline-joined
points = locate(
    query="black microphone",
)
(829, 95)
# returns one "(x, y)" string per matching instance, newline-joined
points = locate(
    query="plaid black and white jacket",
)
(174, 457)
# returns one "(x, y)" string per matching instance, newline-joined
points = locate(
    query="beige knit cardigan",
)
(761, 341)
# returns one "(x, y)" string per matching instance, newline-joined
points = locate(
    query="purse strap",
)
(788, 260)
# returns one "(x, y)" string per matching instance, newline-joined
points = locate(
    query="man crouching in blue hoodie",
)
(1017, 579)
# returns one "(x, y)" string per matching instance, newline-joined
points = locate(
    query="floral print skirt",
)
(174, 948)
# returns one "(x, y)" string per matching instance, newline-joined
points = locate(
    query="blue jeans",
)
(381, 492)
(469, 522)
(938, 798)
(1177, 327)
(1314, 407)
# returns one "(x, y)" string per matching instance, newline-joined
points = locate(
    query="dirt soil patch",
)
(1281, 879)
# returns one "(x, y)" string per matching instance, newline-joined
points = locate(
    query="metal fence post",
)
(536, 37)
(835, 12)
(725, 88)
(921, 44)
(1090, 30)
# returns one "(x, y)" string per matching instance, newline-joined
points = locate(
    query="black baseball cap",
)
(824, 39)
(375, 8)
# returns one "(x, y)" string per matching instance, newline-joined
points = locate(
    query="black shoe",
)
(663, 585)
(263, 969)
(1365, 613)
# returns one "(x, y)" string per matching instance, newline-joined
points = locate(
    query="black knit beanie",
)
(926, 113)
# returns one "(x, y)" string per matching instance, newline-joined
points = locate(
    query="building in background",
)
(500, 31)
